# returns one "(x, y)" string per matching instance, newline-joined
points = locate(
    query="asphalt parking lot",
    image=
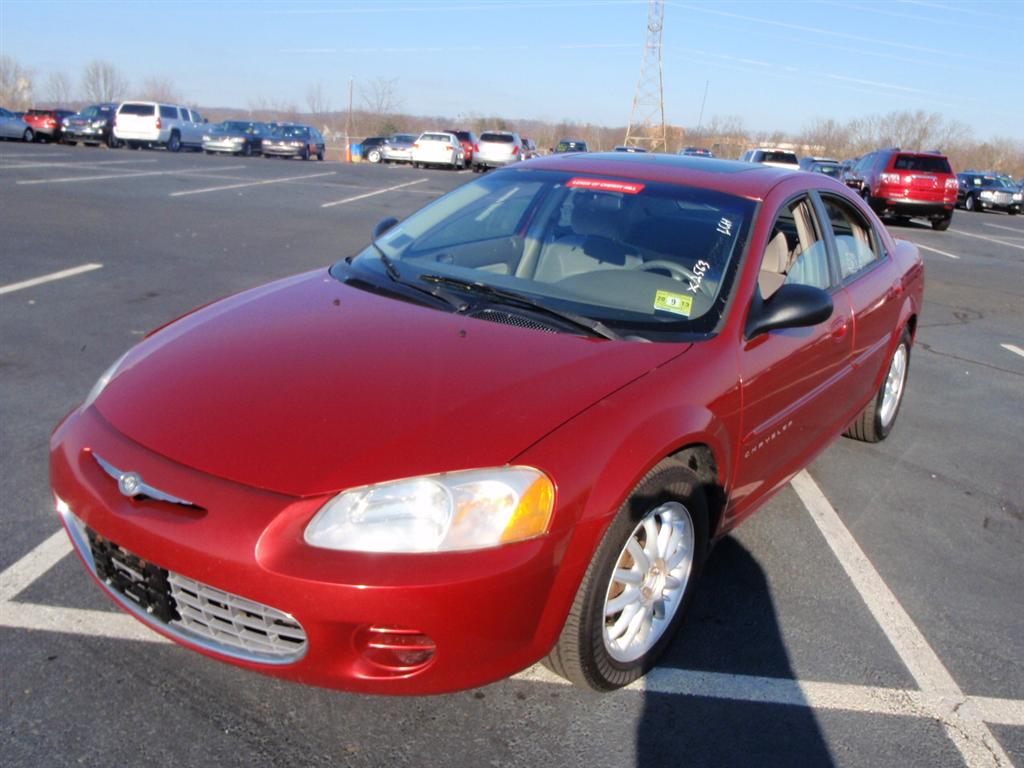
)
(872, 614)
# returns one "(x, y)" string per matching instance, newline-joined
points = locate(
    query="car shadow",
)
(732, 629)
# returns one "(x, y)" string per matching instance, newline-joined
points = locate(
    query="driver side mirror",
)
(791, 306)
(385, 224)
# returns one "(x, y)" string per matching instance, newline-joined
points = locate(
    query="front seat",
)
(773, 265)
(594, 241)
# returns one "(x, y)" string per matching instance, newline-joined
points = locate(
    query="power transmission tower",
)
(647, 120)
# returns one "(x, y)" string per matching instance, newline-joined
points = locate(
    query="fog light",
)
(395, 648)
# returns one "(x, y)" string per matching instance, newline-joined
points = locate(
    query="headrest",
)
(597, 214)
(776, 255)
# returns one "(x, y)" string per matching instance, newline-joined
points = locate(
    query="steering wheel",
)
(677, 271)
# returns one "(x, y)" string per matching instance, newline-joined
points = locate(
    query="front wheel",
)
(876, 420)
(112, 141)
(639, 584)
(174, 143)
(373, 156)
(320, 154)
(28, 136)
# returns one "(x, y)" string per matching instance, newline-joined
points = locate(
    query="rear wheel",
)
(639, 584)
(941, 225)
(877, 419)
(28, 135)
(320, 154)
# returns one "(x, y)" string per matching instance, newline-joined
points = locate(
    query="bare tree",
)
(102, 81)
(318, 101)
(380, 96)
(58, 89)
(15, 84)
(160, 89)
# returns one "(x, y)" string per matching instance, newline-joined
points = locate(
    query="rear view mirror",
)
(791, 306)
(383, 226)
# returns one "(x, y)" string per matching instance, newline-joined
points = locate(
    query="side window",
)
(171, 113)
(854, 244)
(796, 251)
(196, 117)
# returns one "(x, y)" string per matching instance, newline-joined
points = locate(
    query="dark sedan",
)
(569, 145)
(236, 137)
(985, 191)
(93, 125)
(303, 141)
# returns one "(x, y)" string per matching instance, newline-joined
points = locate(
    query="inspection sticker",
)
(676, 303)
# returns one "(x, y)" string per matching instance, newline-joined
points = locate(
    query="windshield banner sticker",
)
(676, 303)
(605, 185)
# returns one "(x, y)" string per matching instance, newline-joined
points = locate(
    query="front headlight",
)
(1018, 196)
(986, 194)
(437, 513)
(103, 380)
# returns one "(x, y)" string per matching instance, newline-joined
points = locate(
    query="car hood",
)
(307, 386)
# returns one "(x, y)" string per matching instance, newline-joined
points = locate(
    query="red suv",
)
(468, 141)
(905, 184)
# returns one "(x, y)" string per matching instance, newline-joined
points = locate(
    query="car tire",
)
(1013, 211)
(28, 136)
(320, 155)
(247, 149)
(113, 142)
(373, 156)
(941, 225)
(174, 142)
(602, 645)
(69, 142)
(304, 155)
(876, 420)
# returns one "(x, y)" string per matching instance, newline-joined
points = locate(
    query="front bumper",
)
(223, 146)
(481, 609)
(282, 151)
(75, 133)
(999, 203)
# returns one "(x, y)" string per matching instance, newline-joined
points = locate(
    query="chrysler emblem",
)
(129, 484)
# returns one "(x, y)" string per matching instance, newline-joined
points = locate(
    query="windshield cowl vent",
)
(510, 318)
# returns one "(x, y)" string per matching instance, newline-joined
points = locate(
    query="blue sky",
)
(776, 65)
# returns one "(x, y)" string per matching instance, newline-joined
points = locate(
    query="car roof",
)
(751, 180)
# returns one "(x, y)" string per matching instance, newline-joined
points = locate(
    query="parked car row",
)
(451, 147)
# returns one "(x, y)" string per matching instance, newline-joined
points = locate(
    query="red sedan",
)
(511, 428)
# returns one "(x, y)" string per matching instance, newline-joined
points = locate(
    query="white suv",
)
(436, 148)
(146, 123)
(778, 158)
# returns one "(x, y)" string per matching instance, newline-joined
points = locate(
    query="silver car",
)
(497, 148)
(13, 127)
(398, 148)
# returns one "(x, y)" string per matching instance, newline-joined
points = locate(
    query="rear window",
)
(141, 110)
(778, 157)
(498, 138)
(436, 137)
(38, 112)
(922, 163)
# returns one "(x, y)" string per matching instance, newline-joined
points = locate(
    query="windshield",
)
(643, 258)
(829, 169)
(291, 132)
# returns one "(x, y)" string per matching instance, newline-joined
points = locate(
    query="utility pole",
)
(647, 120)
(700, 117)
(348, 124)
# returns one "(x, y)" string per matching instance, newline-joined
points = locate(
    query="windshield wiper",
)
(396, 276)
(500, 295)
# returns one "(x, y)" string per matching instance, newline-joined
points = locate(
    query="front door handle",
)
(838, 328)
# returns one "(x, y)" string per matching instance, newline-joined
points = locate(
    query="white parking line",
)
(70, 179)
(33, 565)
(48, 278)
(372, 194)
(990, 239)
(1013, 348)
(84, 164)
(250, 184)
(32, 154)
(972, 737)
(936, 250)
(1018, 230)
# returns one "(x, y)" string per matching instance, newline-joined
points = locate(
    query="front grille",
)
(508, 318)
(1003, 197)
(233, 621)
(191, 610)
